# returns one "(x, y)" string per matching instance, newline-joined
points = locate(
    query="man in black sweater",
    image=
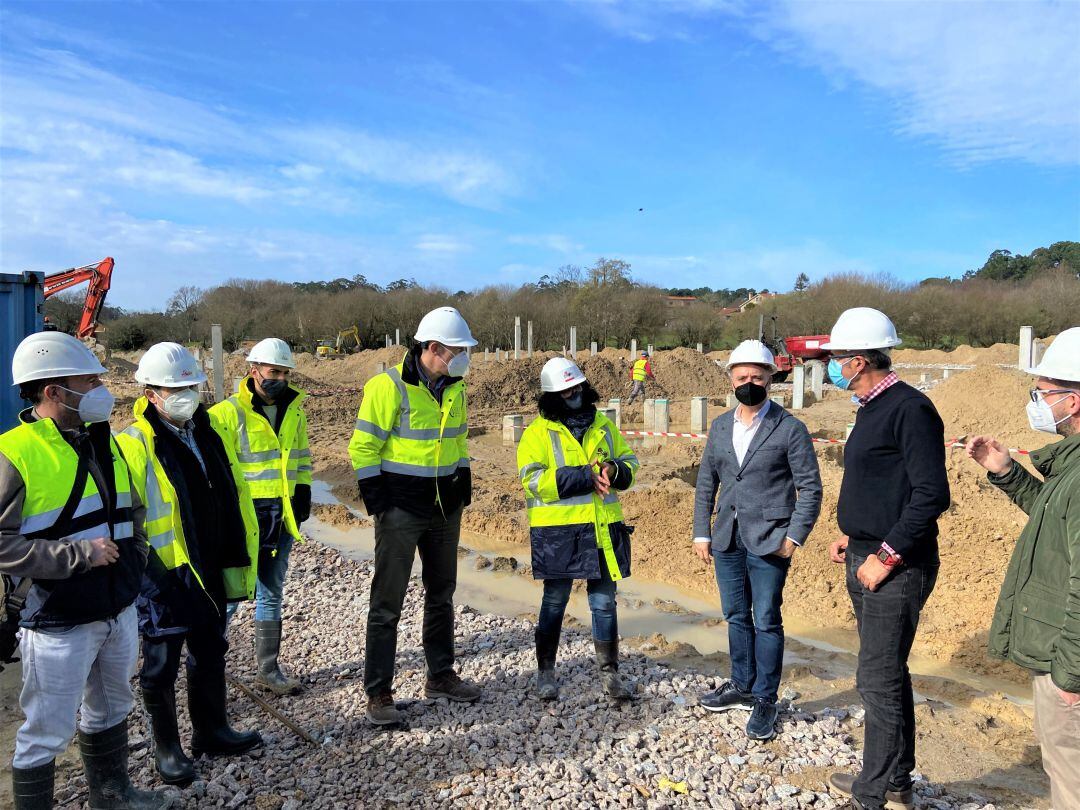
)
(893, 491)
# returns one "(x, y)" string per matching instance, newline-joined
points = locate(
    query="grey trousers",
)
(398, 536)
(636, 390)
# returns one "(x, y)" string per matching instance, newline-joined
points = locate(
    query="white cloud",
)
(649, 20)
(441, 243)
(556, 242)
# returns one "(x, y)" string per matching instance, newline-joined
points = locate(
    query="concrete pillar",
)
(817, 379)
(633, 350)
(592, 349)
(485, 354)
(517, 338)
(530, 338)
(573, 343)
(219, 362)
(945, 374)
(615, 404)
(389, 342)
(648, 411)
(610, 413)
(924, 377)
(731, 402)
(701, 349)
(397, 337)
(237, 382)
(650, 350)
(847, 431)
(699, 414)
(498, 355)
(1027, 346)
(661, 416)
(512, 428)
(380, 367)
(798, 387)
(1037, 349)
(779, 399)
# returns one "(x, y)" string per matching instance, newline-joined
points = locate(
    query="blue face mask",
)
(836, 376)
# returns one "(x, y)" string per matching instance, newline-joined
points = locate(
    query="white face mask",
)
(1041, 415)
(458, 365)
(94, 406)
(182, 405)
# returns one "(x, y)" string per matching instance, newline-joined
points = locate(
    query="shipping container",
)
(21, 313)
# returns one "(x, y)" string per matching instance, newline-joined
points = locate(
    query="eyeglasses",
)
(1035, 393)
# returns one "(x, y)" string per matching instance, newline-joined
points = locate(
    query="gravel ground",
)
(661, 750)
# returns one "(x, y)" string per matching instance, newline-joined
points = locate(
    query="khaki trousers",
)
(1057, 728)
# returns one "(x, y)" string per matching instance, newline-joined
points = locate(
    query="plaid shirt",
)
(890, 380)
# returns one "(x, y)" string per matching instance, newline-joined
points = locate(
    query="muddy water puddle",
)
(646, 607)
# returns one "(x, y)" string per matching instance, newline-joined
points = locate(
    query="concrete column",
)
(1037, 349)
(924, 377)
(699, 414)
(633, 350)
(779, 399)
(615, 404)
(648, 412)
(847, 431)
(573, 343)
(817, 379)
(517, 338)
(650, 350)
(946, 373)
(389, 342)
(380, 367)
(485, 354)
(530, 338)
(397, 337)
(661, 418)
(701, 349)
(219, 362)
(512, 428)
(610, 413)
(592, 349)
(1027, 346)
(798, 387)
(731, 402)
(237, 382)
(498, 355)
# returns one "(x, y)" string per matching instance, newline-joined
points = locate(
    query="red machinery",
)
(99, 275)
(792, 351)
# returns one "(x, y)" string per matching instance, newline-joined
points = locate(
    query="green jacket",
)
(1037, 618)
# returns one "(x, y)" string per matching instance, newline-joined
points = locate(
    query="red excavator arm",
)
(99, 275)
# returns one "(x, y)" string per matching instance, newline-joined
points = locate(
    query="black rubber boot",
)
(173, 765)
(105, 760)
(211, 733)
(607, 658)
(33, 787)
(547, 648)
(267, 645)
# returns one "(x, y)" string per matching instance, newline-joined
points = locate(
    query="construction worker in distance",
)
(411, 457)
(73, 549)
(639, 373)
(1037, 619)
(204, 540)
(265, 427)
(572, 460)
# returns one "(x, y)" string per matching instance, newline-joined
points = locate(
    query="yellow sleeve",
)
(536, 465)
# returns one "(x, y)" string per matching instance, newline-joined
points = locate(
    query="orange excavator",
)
(99, 275)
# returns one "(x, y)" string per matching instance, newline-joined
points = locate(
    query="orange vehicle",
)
(99, 275)
(792, 351)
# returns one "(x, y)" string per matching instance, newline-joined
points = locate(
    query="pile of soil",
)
(962, 355)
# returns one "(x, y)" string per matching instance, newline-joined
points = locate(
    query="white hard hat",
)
(272, 352)
(169, 365)
(445, 325)
(1062, 360)
(754, 352)
(48, 355)
(560, 373)
(862, 328)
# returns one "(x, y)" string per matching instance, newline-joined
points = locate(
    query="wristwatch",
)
(888, 557)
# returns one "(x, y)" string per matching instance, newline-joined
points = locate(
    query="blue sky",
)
(466, 144)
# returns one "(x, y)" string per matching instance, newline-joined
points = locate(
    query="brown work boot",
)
(381, 710)
(844, 784)
(450, 686)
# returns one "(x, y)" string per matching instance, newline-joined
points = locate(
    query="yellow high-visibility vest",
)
(547, 445)
(639, 370)
(272, 464)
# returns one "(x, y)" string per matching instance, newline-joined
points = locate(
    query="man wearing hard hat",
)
(639, 373)
(762, 461)
(265, 427)
(1037, 620)
(893, 491)
(204, 541)
(73, 550)
(411, 457)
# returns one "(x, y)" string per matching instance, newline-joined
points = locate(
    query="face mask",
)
(574, 402)
(751, 394)
(181, 406)
(458, 365)
(836, 376)
(94, 406)
(273, 388)
(1041, 416)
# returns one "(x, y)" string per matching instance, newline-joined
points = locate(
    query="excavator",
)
(348, 340)
(99, 275)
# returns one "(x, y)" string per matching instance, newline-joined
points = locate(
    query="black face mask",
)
(273, 388)
(751, 394)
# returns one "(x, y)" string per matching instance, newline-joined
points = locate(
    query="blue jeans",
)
(751, 592)
(605, 622)
(271, 581)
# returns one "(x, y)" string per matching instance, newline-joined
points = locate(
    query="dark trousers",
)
(887, 619)
(751, 593)
(206, 646)
(605, 622)
(398, 536)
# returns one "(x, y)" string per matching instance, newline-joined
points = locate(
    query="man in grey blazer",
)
(762, 461)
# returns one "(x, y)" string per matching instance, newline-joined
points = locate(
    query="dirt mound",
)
(962, 355)
(682, 373)
(351, 371)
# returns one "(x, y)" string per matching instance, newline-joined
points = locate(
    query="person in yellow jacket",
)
(572, 461)
(265, 427)
(204, 540)
(639, 373)
(410, 454)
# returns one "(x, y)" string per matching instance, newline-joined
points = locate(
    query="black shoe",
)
(105, 760)
(173, 765)
(607, 658)
(211, 732)
(727, 697)
(762, 722)
(269, 675)
(844, 784)
(32, 788)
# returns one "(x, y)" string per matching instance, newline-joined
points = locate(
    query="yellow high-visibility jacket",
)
(568, 521)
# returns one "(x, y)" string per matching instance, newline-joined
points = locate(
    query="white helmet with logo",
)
(560, 373)
(272, 352)
(169, 365)
(752, 352)
(445, 325)
(862, 328)
(49, 355)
